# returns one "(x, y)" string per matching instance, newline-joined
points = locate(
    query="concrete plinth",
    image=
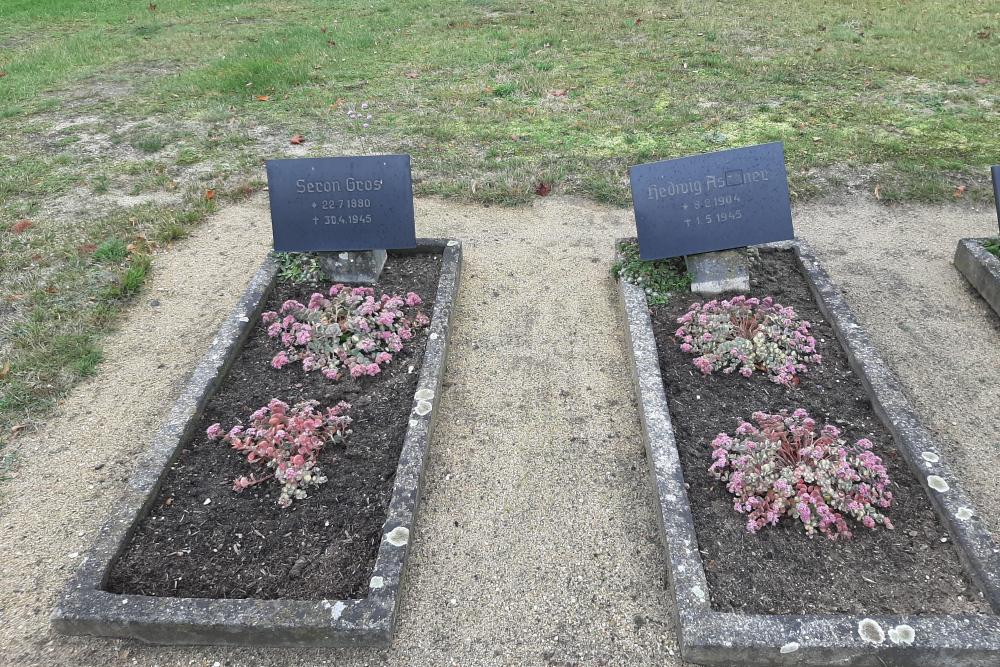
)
(717, 272)
(353, 266)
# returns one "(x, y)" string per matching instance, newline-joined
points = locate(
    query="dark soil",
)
(912, 569)
(243, 545)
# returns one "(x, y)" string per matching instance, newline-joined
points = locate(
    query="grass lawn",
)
(122, 124)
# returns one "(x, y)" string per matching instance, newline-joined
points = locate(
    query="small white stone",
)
(208, 501)
(337, 610)
(244, 319)
(398, 536)
(343, 255)
(870, 631)
(790, 647)
(452, 243)
(75, 554)
(413, 422)
(902, 634)
(937, 483)
(930, 457)
(423, 408)
(409, 370)
(434, 336)
(424, 394)
(377, 582)
(964, 513)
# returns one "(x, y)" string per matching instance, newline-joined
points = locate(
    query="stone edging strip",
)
(717, 638)
(87, 608)
(980, 268)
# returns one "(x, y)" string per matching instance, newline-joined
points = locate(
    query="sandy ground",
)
(536, 539)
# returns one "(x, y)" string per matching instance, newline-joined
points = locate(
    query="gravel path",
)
(536, 540)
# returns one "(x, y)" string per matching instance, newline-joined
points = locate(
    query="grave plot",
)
(809, 519)
(979, 259)
(858, 553)
(209, 546)
(276, 506)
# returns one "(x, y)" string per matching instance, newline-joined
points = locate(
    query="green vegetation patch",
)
(659, 278)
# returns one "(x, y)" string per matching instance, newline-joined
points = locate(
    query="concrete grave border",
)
(716, 638)
(87, 608)
(981, 268)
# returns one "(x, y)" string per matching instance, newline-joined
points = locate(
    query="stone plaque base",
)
(716, 272)
(353, 266)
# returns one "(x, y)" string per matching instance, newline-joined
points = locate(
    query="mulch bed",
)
(912, 569)
(242, 545)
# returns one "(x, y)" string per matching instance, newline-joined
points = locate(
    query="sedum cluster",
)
(745, 335)
(287, 442)
(346, 331)
(780, 466)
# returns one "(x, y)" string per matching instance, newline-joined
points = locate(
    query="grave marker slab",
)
(341, 203)
(716, 201)
(995, 172)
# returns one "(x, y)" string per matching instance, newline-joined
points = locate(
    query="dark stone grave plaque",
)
(995, 172)
(341, 203)
(714, 201)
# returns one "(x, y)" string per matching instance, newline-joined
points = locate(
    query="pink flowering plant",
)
(745, 335)
(286, 442)
(346, 331)
(781, 466)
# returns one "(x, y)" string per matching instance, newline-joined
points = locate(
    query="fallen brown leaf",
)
(297, 139)
(5, 371)
(17, 429)
(152, 6)
(339, 103)
(984, 34)
(982, 80)
(209, 195)
(412, 74)
(263, 98)
(543, 189)
(87, 248)
(960, 190)
(21, 226)
(2, 74)
(878, 192)
(638, 21)
(559, 92)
